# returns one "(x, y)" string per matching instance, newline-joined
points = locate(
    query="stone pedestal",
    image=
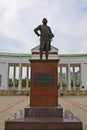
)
(44, 112)
(44, 81)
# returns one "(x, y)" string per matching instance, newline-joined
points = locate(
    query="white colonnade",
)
(71, 76)
(68, 75)
(16, 72)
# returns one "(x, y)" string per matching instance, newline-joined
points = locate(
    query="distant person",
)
(46, 36)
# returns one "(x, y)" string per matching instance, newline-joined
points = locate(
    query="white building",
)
(75, 63)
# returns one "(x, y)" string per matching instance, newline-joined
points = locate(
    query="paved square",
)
(12, 104)
(77, 105)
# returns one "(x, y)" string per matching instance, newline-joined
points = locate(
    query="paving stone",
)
(12, 104)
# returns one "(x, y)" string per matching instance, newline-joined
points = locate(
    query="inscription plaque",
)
(45, 79)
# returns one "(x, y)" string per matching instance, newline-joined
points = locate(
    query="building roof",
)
(72, 55)
(15, 54)
(28, 55)
(38, 48)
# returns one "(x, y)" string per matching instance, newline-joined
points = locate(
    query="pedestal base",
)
(43, 123)
(49, 119)
(44, 112)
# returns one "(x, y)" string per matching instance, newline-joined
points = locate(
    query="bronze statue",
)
(46, 36)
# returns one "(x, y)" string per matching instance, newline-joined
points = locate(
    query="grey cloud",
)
(68, 19)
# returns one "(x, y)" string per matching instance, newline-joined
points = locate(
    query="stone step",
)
(44, 111)
(43, 123)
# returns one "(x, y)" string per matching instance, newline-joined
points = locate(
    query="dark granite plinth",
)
(44, 111)
(67, 122)
(43, 123)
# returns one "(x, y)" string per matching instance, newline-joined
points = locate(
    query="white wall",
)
(84, 81)
(4, 74)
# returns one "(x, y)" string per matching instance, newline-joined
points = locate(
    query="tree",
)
(23, 83)
(10, 83)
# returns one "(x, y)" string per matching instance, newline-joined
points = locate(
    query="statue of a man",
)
(46, 36)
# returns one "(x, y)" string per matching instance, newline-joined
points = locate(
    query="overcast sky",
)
(67, 19)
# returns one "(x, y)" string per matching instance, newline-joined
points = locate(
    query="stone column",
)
(61, 88)
(69, 79)
(82, 75)
(27, 77)
(20, 77)
(14, 77)
(66, 78)
(74, 87)
(4, 84)
(8, 77)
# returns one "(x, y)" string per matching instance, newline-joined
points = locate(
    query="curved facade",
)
(72, 70)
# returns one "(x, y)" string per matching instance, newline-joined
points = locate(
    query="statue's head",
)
(44, 21)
